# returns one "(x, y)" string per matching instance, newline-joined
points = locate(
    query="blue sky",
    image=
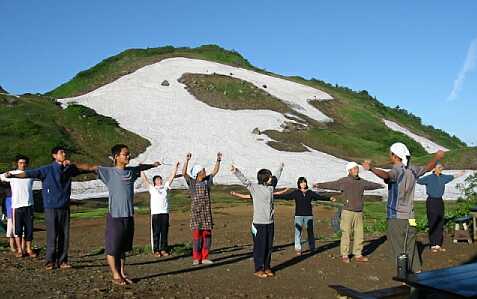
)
(407, 53)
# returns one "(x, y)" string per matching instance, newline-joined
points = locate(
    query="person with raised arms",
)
(159, 210)
(351, 223)
(22, 205)
(401, 180)
(56, 191)
(435, 186)
(119, 235)
(263, 217)
(201, 222)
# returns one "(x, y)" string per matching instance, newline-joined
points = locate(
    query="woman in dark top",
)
(304, 212)
(435, 186)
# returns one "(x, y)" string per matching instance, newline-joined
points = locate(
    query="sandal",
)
(260, 274)
(18, 254)
(64, 266)
(269, 273)
(128, 280)
(31, 254)
(49, 266)
(164, 253)
(118, 281)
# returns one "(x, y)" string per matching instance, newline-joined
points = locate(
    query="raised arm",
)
(423, 180)
(240, 195)
(439, 155)
(318, 196)
(86, 167)
(333, 185)
(20, 175)
(217, 164)
(240, 176)
(280, 192)
(186, 166)
(277, 174)
(378, 172)
(145, 181)
(368, 185)
(283, 195)
(173, 173)
(143, 167)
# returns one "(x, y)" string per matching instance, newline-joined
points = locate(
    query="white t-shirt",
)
(159, 204)
(22, 190)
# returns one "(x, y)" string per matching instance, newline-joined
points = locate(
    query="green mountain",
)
(33, 124)
(357, 132)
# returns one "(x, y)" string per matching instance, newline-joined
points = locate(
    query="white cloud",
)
(469, 66)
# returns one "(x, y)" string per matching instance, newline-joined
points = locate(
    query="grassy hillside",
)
(32, 125)
(357, 132)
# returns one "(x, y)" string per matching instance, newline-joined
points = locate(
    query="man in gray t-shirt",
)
(120, 183)
(119, 221)
(401, 180)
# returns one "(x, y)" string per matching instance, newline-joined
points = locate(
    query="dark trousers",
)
(435, 220)
(263, 246)
(24, 222)
(396, 235)
(160, 229)
(57, 234)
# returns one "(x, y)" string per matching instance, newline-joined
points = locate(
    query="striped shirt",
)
(401, 187)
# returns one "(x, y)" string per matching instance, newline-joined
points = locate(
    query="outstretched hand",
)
(366, 164)
(440, 155)
(157, 164)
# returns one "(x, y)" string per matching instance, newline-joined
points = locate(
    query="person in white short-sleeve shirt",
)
(159, 210)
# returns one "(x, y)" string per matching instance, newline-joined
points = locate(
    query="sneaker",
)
(361, 259)
(207, 262)
(195, 262)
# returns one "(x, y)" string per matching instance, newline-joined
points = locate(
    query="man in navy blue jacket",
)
(56, 184)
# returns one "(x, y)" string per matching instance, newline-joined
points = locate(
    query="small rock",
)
(165, 83)
(264, 86)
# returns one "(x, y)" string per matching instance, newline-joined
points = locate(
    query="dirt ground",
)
(231, 275)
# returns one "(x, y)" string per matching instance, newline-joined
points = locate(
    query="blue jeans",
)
(304, 222)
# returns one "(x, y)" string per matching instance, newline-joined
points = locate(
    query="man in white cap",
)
(201, 208)
(401, 180)
(353, 188)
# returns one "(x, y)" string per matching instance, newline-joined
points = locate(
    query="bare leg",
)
(123, 271)
(117, 278)
(18, 243)
(13, 247)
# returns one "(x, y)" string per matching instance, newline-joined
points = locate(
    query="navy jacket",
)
(56, 181)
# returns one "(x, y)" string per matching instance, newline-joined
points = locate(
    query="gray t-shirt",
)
(401, 187)
(262, 196)
(120, 183)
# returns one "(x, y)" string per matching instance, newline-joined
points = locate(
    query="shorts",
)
(24, 222)
(119, 235)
